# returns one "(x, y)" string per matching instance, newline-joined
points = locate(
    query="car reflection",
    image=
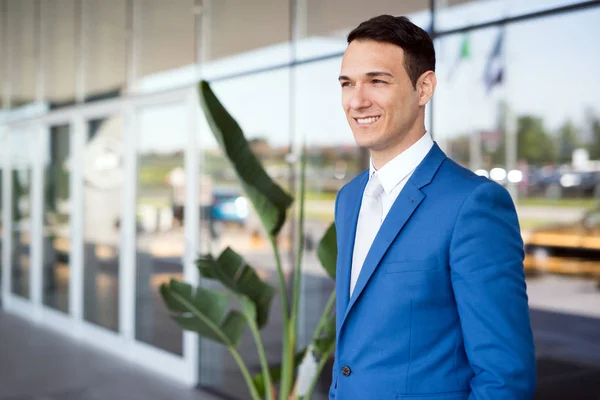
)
(571, 249)
(228, 208)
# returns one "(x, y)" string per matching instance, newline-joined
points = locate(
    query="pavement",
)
(39, 364)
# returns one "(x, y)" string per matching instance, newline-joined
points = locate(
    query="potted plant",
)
(208, 312)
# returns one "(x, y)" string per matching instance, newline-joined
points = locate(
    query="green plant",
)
(208, 312)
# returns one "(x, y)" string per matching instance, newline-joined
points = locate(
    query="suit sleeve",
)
(332, 387)
(486, 261)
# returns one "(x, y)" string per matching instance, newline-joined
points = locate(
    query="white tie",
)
(369, 221)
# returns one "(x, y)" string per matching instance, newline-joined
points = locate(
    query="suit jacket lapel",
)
(350, 218)
(407, 202)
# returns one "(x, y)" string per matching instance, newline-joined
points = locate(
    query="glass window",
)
(228, 220)
(472, 137)
(105, 48)
(333, 159)
(514, 107)
(164, 134)
(452, 14)
(22, 169)
(60, 51)
(249, 45)
(23, 47)
(56, 240)
(103, 184)
(167, 35)
(3, 50)
(328, 22)
(3, 154)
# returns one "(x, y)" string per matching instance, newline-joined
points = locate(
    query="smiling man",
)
(431, 295)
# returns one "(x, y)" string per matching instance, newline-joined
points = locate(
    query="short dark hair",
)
(419, 53)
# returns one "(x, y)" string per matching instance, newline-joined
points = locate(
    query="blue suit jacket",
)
(440, 309)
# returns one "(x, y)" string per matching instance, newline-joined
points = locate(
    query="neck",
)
(383, 156)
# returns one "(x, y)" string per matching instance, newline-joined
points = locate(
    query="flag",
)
(463, 54)
(494, 69)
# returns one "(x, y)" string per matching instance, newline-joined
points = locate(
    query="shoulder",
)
(464, 184)
(353, 186)
(349, 191)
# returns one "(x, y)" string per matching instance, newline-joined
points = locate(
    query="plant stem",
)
(282, 285)
(297, 272)
(325, 315)
(287, 358)
(245, 372)
(320, 367)
(262, 356)
(300, 251)
(287, 363)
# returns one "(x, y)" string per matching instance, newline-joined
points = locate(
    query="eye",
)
(346, 84)
(378, 81)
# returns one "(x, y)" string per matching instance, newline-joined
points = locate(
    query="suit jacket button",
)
(346, 370)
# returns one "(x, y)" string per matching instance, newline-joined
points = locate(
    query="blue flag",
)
(494, 69)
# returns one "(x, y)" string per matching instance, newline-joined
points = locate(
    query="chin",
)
(366, 142)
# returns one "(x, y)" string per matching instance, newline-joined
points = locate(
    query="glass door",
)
(22, 150)
(56, 218)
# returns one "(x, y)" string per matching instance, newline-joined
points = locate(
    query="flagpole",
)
(510, 122)
(432, 8)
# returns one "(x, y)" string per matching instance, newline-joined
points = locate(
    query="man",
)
(432, 302)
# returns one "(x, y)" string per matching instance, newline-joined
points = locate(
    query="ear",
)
(426, 86)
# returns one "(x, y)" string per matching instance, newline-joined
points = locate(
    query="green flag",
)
(464, 53)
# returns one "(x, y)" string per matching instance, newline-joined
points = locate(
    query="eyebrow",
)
(368, 74)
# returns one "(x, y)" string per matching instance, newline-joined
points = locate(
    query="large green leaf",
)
(203, 311)
(269, 200)
(275, 372)
(232, 270)
(327, 251)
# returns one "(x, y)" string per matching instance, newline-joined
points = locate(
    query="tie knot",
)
(374, 187)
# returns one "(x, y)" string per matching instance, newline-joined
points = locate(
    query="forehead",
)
(368, 55)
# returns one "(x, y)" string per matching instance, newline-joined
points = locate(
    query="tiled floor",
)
(38, 364)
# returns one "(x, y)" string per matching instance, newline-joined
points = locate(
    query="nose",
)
(359, 99)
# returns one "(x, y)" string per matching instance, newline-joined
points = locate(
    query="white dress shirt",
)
(393, 177)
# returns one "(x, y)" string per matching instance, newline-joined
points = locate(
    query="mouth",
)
(367, 120)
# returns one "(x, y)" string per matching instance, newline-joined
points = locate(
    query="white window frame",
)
(184, 369)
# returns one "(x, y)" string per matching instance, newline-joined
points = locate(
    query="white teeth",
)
(369, 120)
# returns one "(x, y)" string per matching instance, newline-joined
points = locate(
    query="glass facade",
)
(453, 14)
(102, 194)
(59, 43)
(103, 26)
(3, 155)
(167, 39)
(56, 218)
(22, 50)
(160, 221)
(516, 101)
(22, 174)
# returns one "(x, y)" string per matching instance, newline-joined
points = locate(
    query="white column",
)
(6, 215)
(38, 161)
(127, 259)
(78, 134)
(191, 229)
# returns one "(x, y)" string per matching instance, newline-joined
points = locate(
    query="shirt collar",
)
(392, 173)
